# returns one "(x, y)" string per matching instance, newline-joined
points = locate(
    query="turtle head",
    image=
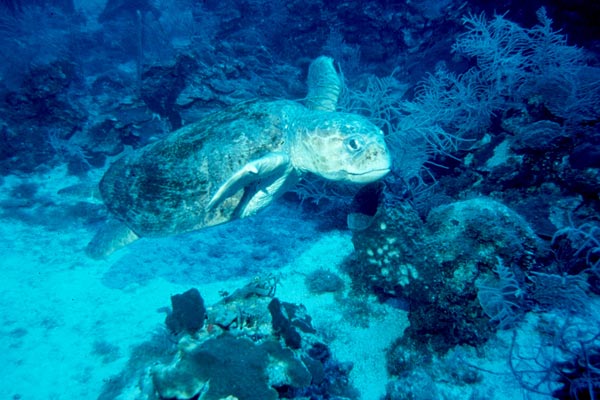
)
(341, 147)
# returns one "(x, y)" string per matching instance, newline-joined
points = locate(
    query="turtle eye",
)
(354, 144)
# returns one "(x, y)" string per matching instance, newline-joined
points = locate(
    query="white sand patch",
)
(54, 310)
(364, 346)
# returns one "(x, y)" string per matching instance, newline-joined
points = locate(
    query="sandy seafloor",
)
(59, 308)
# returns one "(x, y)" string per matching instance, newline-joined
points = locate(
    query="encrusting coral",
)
(435, 264)
(251, 346)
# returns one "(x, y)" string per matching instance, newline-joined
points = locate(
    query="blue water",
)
(470, 270)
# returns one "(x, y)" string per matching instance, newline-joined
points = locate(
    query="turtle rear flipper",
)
(110, 238)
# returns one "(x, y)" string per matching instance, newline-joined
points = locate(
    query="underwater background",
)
(470, 271)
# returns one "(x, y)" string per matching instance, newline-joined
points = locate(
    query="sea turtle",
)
(235, 162)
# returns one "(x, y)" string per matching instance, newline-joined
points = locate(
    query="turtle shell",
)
(164, 188)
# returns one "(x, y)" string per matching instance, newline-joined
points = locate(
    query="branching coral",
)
(516, 65)
(501, 297)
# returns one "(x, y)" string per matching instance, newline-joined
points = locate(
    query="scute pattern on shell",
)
(164, 188)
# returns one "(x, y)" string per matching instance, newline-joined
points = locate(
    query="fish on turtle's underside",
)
(235, 162)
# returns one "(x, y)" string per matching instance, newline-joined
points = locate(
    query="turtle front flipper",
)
(263, 180)
(324, 85)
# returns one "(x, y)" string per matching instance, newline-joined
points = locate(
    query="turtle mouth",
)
(372, 171)
(368, 176)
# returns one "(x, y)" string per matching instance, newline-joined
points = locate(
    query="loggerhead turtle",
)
(235, 162)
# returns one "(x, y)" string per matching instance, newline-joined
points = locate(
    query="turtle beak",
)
(369, 176)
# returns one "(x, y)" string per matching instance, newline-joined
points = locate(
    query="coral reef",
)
(253, 346)
(503, 130)
(435, 265)
(230, 366)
